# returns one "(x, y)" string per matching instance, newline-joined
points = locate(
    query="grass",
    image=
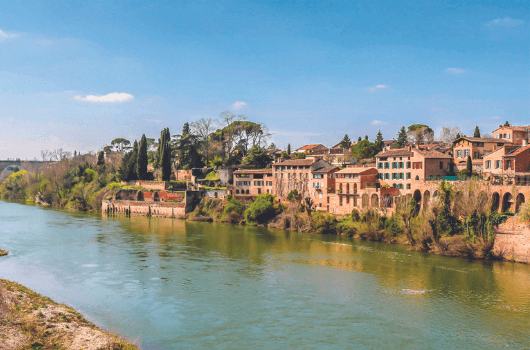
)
(3, 252)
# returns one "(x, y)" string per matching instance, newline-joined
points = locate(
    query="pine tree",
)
(477, 132)
(402, 138)
(142, 159)
(506, 124)
(346, 142)
(75, 153)
(379, 142)
(366, 137)
(359, 139)
(288, 148)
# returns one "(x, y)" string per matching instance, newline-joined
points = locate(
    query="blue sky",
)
(78, 74)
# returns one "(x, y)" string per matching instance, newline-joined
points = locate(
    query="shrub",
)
(234, 206)
(294, 196)
(393, 226)
(263, 209)
(355, 216)
(325, 223)
(346, 228)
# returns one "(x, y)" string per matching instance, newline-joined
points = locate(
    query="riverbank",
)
(31, 321)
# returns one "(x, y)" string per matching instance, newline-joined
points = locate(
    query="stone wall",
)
(152, 185)
(221, 194)
(512, 241)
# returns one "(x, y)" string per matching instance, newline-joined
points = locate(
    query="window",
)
(508, 165)
(508, 136)
(408, 176)
(259, 190)
(488, 164)
(466, 153)
(394, 165)
(408, 165)
(441, 165)
(517, 136)
(387, 176)
(387, 165)
(497, 164)
(459, 153)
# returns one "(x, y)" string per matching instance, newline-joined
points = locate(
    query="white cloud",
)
(456, 71)
(379, 122)
(238, 105)
(154, 121)
(112, 97)
(494, 117)
(7, 36)
(505, 22)
(377, 87)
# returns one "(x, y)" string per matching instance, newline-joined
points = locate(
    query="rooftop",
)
(355, 170)
(309, 147)
(253, 171)
(432, 154)
(324, 170)
(515, 128)
(482, 139)
(400, 152)
(297, 162)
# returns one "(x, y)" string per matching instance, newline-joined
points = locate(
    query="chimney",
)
(525, 142)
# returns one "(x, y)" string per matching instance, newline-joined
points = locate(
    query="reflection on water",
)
(176, 284)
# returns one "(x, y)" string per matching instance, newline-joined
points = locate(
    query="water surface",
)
(171, 284)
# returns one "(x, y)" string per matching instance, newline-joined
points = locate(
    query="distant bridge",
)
(21, 164)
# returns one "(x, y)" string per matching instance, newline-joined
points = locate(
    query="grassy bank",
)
(30, 321)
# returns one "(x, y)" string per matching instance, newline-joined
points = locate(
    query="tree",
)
(507, 124)
(402, 138)
(288, 148)
(294, 196)
(359, 139)
(258, 157)
(299, 155)
(164, 154)
(101, 159)
(346, 142)
(449, 134)
(379, 142)
(186, 146)
(420, 134)
(477, 132)
(127, 171)
(272, 146)
(75, 153)
(120, 144)
(469, 165)
(142, 159)
(363, 149)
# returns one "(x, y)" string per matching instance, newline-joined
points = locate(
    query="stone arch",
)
(140, 196)
(519, 201)
(387, 200)
(366, 200)
(436, 194)
(375, 200)
(417, 196)
(507, 202)
(495, 202)
(237, 191)
(156, 197)
(426, 199)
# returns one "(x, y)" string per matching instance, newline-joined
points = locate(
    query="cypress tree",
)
(101, 159)
(288, 148)
(402, 138)
(477, 132)
(346, 142)
(142, 159)
(379, 142)
(507, 124)
(164, 153)
(359, 139)
(469, 166)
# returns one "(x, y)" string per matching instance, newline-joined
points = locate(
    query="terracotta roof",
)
(482, 139)
(338, 145)
(515, 128)
(253, 171)
(518, 151)
(394, 152)
(354, 170)
(307, 161)
(310, 146)
(324, 170)
(432, 154)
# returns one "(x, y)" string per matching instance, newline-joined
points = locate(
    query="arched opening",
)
(156, 197)
(417, 196)
(495, 201)
(518, 202)
(417, 178)
(387, 200)
(435, 194)
(375, 200)
(237, 191)
(354, 188)
(366, 200)
(426, 199)
(507, 202)
(140, 196)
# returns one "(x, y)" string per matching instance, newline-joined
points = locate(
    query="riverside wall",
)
(512, 241)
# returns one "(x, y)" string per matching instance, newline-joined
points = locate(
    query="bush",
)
(346, 228)
(263, 209)
(325, 223)
(355, 216)
(294, 196)
(393, 226)
(234, 206)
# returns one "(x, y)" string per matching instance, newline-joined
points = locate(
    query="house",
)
(321, 185)
(404, 167)
(389, 143)
(295, 174)
(251, 182)
(512, 134)
(338, 145)
(311, 148)
(355, 188)
(510, 163)
(334, 156)
(476, 147)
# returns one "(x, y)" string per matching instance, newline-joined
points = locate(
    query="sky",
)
(77, 74)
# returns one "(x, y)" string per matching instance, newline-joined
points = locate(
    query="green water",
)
(171, 284)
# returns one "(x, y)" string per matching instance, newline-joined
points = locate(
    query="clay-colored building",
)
(475, 147)
(311, 148)
(512, 134)
(251, 182)
(295, 174)
(321, 185)
(511, 163)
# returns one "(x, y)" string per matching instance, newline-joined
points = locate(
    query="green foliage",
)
(394, 226)
(379, 142)
(294, 196)
(285, 155)
(324, 223)
(446, 224)
(469, 165)
(402, 138)
(187, 146)
(346, 228)
(120, 144)
(13, 187)
(416, 127)
(355, 215)
(288, 148)
(507, 124)
(101, 159)
(164, 154)
(363, 149)
(212, 175)
(216, 161)
(127, 171)
(263, 209)
(299, 155)
(258, 157)
(477, 132)
(346, 142)
(234, 206)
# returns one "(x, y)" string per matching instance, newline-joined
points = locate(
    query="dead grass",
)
(31, 321)
(3, 252)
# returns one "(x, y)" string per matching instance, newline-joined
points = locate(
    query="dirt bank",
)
(30, 321)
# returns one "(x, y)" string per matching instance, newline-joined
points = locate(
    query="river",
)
(172, 284)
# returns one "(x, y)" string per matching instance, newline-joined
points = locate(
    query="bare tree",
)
(420, 136)
(448, 134)
(203, 127)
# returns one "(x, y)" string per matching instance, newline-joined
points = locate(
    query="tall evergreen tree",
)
(128, 164)
(346, 142)
(288, 148)
(142, 159)
(187, 148)
(359, 139)
(366, 137)
(101, 159)
(164, 154)
(506, 124)
(477, 132)
(379, 142)
(469, 166)
(402, 138)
